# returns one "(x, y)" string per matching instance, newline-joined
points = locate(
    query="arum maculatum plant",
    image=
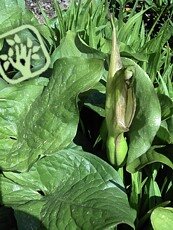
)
(120, 104)
(52, 176)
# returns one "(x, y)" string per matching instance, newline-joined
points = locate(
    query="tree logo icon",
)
(20, 55)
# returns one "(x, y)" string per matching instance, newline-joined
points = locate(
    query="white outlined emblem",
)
(20, 55)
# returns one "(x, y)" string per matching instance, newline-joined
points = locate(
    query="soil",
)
(46, 5)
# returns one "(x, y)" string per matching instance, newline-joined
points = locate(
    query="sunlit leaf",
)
(162, 218)
(15, 103)
(73, 46)
(166, 106)
(73, 184)
(49, 126)
(150, 157)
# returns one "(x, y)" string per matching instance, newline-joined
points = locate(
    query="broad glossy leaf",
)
(150, 157)
(73, 46)
(13, 14)
(3, 84)
(21, 4)
(15, 102)
(26, 221)
(11, 3)
(147, 117)
(71, 188)
(162, 218)
(10, 16)
(52, 121)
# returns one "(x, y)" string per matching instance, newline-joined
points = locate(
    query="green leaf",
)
(163, 133)
(95, 99)
(150, 157)
(15, 101)
(147, 118)
(7, 3)
(12, 3)
(130, 52)
(10, 42)
(166, 106)
(6, 65)
(52, 121)
(97, 108)
(155, 44)
(73, 189)
(21, 4)
(3, 84)
(129, 33)
(27, 221)
(162, 218)
(73, 46)
(13, 15)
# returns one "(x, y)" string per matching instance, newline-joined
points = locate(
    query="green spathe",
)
(120, 105)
